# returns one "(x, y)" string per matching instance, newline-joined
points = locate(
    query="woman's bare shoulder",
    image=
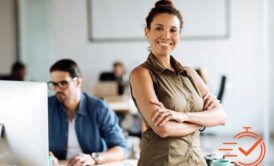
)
(139, 71)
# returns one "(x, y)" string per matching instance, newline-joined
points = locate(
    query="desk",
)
(120, 163)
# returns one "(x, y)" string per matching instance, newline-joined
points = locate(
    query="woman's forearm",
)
(207, 118)
(176, 129)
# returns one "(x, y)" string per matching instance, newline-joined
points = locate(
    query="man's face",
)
(118, 71)
(65, 87)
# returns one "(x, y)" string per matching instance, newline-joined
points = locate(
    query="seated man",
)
(82, 128)
(18, 72)
(116, 75)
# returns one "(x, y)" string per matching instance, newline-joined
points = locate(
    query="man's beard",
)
(61, 97)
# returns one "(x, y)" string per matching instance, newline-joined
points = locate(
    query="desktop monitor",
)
(24, 115)
(106, 89)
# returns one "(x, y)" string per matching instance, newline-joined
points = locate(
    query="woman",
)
(172, 99)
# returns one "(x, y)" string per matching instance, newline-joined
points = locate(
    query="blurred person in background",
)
(18, 72)
(117, 74)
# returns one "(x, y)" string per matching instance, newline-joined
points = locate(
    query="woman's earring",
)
(149, 48)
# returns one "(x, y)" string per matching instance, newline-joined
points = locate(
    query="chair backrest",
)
(221, 92)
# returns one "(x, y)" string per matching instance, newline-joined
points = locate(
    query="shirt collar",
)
(157, 67)
(82, 109)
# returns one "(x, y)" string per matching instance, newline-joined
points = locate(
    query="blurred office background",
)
(39, 32)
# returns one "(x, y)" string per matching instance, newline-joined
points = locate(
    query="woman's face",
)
(164, 34)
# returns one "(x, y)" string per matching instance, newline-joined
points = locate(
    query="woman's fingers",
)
(160, 118)
(213, 104)
(210, 101)
(205, 98)
(156, 113)
(161, 115)
(166, 119)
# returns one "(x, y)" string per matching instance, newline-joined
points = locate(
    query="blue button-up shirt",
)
(96, 126)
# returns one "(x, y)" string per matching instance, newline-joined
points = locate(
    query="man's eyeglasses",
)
(61, 84)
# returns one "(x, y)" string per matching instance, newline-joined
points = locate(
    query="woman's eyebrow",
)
(159, 25)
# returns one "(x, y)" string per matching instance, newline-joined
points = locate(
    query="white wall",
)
(7, 35)
(239, 56)
(271, 52)
(36, 37)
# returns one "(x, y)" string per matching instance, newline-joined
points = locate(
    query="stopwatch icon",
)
(257, 145)
(248, 148)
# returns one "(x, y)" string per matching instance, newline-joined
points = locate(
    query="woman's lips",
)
(164, 44)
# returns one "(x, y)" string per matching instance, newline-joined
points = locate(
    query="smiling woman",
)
(172, 99)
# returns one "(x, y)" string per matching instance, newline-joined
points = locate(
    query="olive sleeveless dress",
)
(176, 90)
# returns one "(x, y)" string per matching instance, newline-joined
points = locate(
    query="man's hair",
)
(67, 65)
(17, 66)
(115, 64)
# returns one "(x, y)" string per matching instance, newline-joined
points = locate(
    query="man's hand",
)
(55, 160)
(81, 160)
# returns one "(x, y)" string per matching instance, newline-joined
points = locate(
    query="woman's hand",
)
(163, 115)
(81, 160)
(210, 101)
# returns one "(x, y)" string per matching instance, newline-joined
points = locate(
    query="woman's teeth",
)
(163, 44)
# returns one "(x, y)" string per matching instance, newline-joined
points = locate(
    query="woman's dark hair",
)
(163, 6)
(66, 65)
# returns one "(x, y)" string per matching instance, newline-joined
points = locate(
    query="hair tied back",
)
(164, 3)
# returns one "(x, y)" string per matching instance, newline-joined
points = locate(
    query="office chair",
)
(221, 92)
